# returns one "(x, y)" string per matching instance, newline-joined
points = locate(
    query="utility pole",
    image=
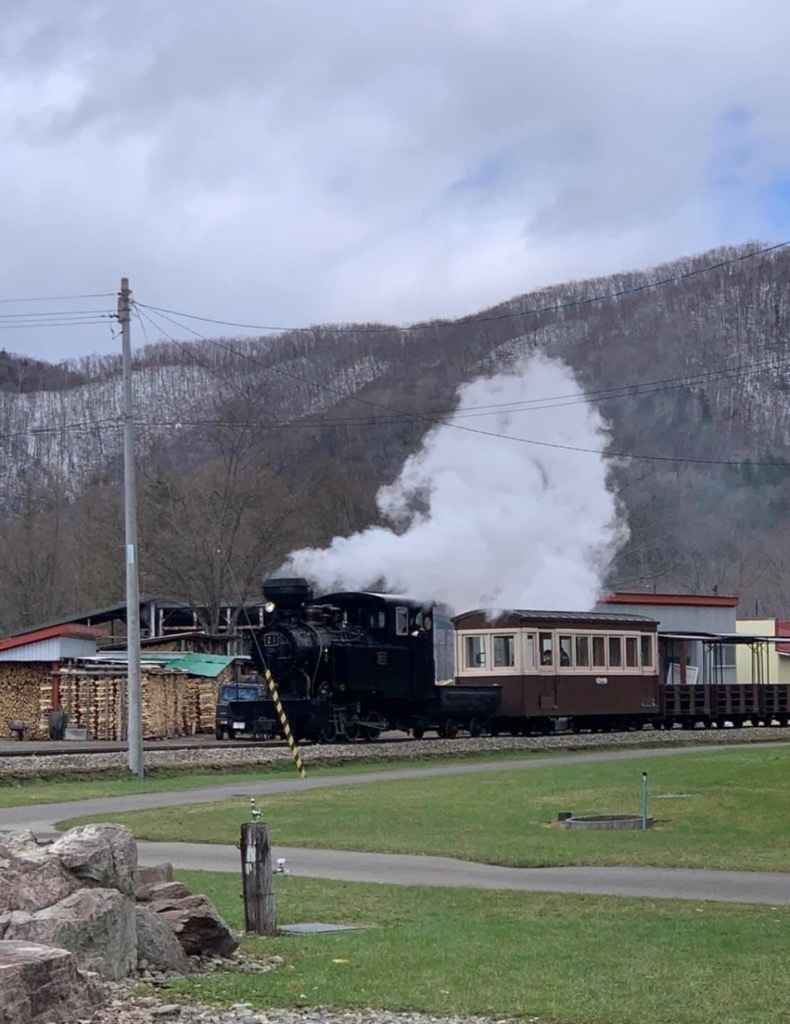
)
(134, 696)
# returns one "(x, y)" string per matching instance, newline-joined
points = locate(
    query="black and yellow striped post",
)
(278, 704)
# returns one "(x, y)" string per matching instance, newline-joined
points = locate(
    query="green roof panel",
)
(208, 665)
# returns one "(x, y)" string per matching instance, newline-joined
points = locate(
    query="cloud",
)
(300, 161)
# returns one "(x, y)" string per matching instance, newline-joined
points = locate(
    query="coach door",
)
(547, 672)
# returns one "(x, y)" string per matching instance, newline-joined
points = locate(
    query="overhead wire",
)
(485, 317)
(449, 421)
(59, 298)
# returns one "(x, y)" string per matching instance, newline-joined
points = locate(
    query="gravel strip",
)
(346, 753)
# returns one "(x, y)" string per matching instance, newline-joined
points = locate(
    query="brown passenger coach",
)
(596, 670)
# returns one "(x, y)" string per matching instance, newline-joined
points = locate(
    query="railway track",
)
(38, 758)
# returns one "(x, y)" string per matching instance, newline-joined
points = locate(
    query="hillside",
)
(249, 448)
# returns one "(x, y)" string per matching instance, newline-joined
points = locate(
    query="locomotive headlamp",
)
(269, 607)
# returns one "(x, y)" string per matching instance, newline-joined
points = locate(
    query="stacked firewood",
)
(21, 710)
(173, 703)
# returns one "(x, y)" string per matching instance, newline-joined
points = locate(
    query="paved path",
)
(399, 869)
(403, 869)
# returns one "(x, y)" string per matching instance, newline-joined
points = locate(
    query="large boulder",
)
(157, 945)
(197, 925)
(97, 925)
(39, 984)
(101, 855)
(30, 878)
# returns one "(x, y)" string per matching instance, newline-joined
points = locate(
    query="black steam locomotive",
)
(350, 665)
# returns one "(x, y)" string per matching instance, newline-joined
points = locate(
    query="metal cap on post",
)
(135, 729)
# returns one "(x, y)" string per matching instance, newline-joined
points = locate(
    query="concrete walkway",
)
(398, 869)
(403, 869)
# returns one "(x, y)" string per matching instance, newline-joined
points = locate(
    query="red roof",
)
(678, 600)
(71, 630)
(783, 629)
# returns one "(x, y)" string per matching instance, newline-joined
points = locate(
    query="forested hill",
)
(250, 447)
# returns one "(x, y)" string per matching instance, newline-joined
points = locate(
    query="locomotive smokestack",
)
(287, 594)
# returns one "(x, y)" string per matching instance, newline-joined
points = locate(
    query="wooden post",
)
(256, 871)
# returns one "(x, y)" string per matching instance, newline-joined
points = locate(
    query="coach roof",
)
(482, 618)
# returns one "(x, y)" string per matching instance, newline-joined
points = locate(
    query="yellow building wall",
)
(776, 666)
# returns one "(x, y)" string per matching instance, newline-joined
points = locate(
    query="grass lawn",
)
(18, 791)
(714, 809)
(565, 959)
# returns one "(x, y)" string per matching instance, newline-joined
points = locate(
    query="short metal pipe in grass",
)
(644, 801)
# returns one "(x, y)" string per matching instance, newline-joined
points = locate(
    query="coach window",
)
(582, 652)
(529, 650)
(504, 651)
(475, 652)
(566, 651)
(631, 653)
(599, 652)
(615, 652)
(546, 648)
(401, 621)
(647, 651)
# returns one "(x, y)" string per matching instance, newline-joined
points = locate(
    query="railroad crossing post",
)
(256, 872)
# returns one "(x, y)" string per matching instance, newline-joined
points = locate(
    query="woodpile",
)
(173, 703)
(24, 687)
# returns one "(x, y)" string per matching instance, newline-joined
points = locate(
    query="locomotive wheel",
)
(218, 733)
(448, 730)
(374, 727)
(328, 733)
(353, 731)
(475, 728)
(418, 732)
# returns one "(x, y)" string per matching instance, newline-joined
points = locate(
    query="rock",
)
(163, 891)
(105, 855)
(149, 877)
(97, 925)
(197, 925)
(157, 945)
(154, 875)
(29, 877)
(39, 984)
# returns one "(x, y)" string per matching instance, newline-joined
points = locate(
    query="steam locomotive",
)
(350, 665)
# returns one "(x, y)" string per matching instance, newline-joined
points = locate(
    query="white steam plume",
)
(500, 523)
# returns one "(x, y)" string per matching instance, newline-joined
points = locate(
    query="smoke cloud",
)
(480, 521)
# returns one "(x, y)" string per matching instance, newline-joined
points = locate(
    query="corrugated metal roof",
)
(73, 631)
(208, 665)
(687, 600)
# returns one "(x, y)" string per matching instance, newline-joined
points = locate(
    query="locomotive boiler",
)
(350, 665)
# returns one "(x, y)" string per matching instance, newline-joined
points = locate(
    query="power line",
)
(447, 422)
(23, 326)
(483, 317)
(62, 298)
(56, 313)
(635, 390)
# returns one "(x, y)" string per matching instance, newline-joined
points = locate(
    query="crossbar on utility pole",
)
(134, 695)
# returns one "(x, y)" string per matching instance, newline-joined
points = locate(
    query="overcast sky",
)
(303, 161)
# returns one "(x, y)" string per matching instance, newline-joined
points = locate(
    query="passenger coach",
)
(596, 670)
